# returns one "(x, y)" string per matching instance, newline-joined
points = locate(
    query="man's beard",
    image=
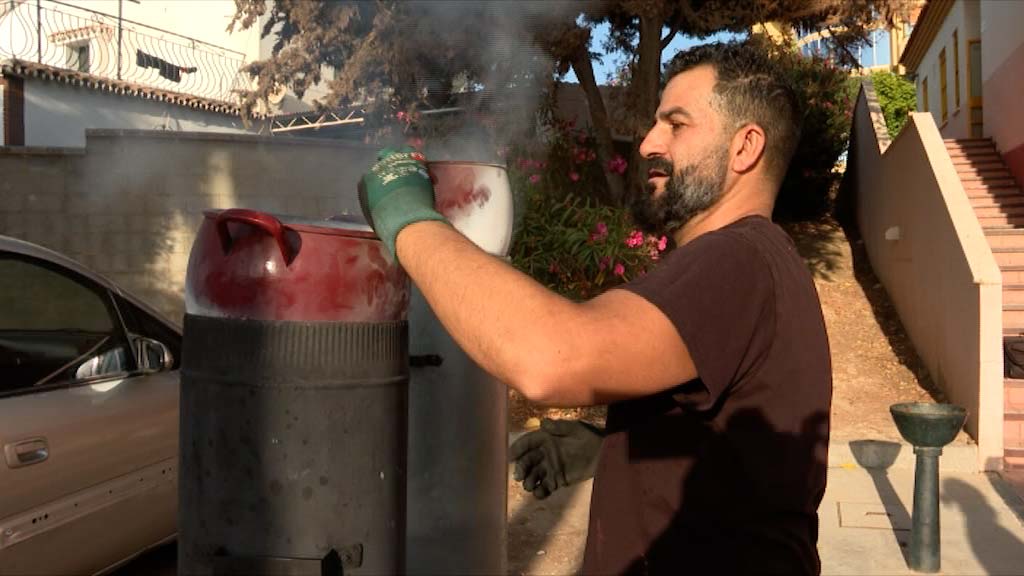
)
(688, 192)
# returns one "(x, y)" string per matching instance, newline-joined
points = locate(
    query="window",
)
(956, 70)
(942, 84)
(78, 57)
(54, 327)
(924, 95)
(883, 53)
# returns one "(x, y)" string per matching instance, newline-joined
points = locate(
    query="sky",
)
(605, 70)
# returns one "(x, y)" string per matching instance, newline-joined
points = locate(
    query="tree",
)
(400, 56)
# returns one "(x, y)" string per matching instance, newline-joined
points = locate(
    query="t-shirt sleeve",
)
(718, 292)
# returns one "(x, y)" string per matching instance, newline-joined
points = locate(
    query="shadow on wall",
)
(888, 318)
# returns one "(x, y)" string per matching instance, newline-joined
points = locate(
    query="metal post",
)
(925, 547)
(39, 32)
(120, 27)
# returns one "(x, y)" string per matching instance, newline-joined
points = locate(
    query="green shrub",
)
(897, 97)
(827, 95)
(565, 238)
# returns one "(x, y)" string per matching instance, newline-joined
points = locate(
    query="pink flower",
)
(636, 238)
(602, 229)
(534, 178)
(662, 244)
(574, 176)
(603, 263)
(553, 268)
(619, 269)
(617, 165)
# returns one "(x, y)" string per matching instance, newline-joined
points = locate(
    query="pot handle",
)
(265, 222)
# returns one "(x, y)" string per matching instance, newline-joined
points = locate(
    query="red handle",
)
(265, 222)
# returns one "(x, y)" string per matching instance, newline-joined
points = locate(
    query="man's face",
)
(687, 155)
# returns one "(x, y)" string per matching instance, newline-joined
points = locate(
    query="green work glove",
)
(560, 453)
(396, 192)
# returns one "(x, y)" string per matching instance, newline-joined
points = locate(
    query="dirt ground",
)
(873, 363)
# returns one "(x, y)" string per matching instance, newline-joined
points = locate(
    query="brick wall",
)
(129, 204)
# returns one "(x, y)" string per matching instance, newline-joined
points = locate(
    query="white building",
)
(149, 64)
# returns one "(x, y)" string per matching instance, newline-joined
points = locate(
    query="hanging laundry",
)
(167, 70)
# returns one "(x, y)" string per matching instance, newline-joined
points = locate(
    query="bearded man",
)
(714, 366)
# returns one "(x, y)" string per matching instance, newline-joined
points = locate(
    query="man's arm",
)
(552, 350)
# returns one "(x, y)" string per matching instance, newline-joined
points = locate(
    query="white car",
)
(88, 418)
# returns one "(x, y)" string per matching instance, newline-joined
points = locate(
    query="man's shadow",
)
(768, 492)
(997, 549)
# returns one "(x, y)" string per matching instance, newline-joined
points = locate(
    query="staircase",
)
(999, 204)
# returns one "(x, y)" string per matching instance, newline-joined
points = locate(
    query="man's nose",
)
(653, 144)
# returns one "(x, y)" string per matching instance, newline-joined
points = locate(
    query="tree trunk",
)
(644, 88)
(584, 68)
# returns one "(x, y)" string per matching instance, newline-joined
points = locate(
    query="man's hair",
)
(750, 88)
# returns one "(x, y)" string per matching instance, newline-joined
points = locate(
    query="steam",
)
(502, 108)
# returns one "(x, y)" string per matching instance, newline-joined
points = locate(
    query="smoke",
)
(510, 72)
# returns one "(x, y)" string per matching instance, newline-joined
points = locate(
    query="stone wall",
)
(129, 204)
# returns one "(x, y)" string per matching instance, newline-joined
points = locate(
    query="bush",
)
(566, 239)
(827, 96)
(897, 96)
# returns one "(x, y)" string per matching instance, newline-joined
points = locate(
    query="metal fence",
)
(75, 38)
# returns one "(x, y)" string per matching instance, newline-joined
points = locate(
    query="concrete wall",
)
(1002, 74)
(128, 206)
(964, 18)
(935, 263)
(58, 114)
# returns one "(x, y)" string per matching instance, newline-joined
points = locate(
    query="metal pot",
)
(249, 264)
(477, 200)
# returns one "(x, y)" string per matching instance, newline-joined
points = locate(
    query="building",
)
(881, 53)
(967, 58)
(66, 67)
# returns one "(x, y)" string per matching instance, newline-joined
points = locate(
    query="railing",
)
(75, 38)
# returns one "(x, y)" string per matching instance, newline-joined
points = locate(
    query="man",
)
(715, 365)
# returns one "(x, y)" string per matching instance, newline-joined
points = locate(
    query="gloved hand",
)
(396, 192)
(560, 453)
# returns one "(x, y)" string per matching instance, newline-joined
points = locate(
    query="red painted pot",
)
(254, 265)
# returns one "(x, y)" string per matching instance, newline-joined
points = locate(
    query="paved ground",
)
(865, 519)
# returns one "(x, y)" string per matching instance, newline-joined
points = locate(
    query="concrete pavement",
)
(865, 523)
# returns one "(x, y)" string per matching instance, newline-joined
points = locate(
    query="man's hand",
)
(396, 192)
(561, 453)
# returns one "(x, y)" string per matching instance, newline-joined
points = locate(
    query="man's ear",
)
(747, 148)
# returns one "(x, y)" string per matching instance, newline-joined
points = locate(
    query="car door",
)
(89, 440)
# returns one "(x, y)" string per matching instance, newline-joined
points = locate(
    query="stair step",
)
(1013, 294)
(1012, 275)
(968, 142)
(989, 162)
(980, 183)
(999, 210)
(992, 162)
(992, 192)
(1008, 257)
(1013, 315)
(991, 201)
(1013, 397)
(1003, 220)
(1013, 458)
(971, 174)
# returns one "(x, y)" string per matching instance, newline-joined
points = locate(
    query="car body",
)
(88, 418)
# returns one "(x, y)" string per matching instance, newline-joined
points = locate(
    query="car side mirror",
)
(153, 355)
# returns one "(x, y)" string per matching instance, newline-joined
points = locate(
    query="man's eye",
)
(676, 126)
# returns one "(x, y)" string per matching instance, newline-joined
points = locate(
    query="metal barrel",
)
(292, 447)
(458, 463)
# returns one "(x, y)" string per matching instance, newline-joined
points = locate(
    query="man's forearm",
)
(512, 326)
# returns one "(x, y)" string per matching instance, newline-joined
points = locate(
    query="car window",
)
(55, 327)
(142, 323)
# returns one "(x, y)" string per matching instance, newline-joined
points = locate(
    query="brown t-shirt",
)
(722, 474)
